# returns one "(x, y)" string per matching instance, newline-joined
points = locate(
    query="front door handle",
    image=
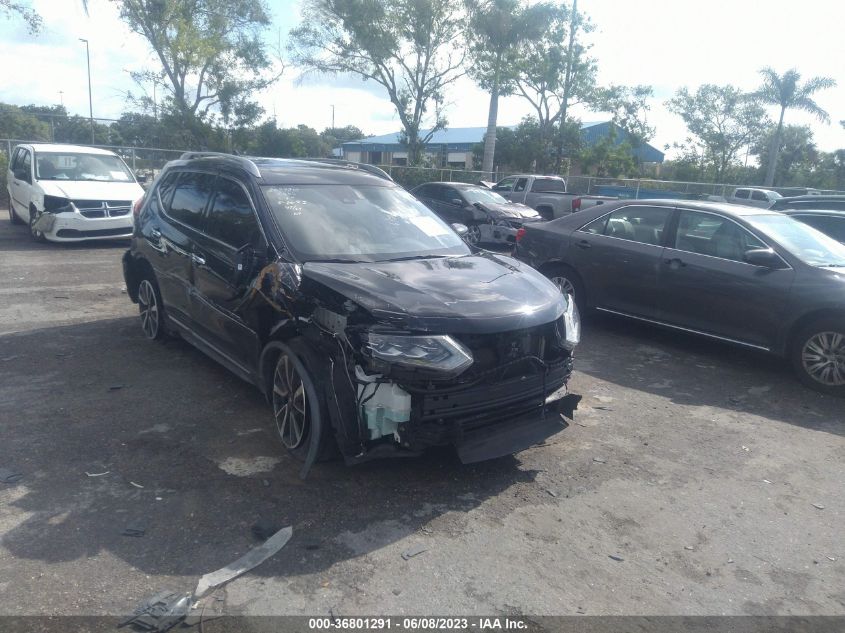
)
(675, 262)
(155, 234)
(199, 260)
(583, 244)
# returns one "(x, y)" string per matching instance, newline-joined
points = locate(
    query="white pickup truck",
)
(546, 194)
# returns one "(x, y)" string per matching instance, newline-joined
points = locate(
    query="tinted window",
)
(741, 193)
(165, 187)
(451, 194)
(190, 197)
(423, 191)
(596, 227)
(231, 219)
(638, 224)
(827, 224)
(16, 159)
(713, 235)
(520, 184)
(26, 165)
(548, 184)
(758, 195)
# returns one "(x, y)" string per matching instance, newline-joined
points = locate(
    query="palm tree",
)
(787, 92)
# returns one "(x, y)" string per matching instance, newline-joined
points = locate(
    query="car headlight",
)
(437, 353)
(55, 204)
(570, 324)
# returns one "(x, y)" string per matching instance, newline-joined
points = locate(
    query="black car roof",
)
(288, 171)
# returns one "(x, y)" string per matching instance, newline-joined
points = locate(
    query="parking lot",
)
(697, 478)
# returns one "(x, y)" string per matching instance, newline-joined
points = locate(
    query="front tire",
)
(818, 356)
(150, 309)
(473, 236)
(35, 234)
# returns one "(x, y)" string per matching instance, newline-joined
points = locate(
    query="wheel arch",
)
(788, 341)
(546, 211)
(135, 269)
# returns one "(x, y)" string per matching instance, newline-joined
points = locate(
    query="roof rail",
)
(242, 162)
(376, 171)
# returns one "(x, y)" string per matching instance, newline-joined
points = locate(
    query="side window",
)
(451, 194)
(827, 224)
(596, 227)
(16, 159)
(741, 193)
(231, 219)
(713, 235)
(505, 185)
(165, 188)
(26, 165)
(548, 184)
(424, 191)
(759, 195)
(190, 196)
(638, 224)
(520, 184)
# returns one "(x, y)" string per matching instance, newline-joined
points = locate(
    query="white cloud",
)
(663, 43)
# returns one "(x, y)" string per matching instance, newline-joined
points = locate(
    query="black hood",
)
(481, 294)
(513, 210)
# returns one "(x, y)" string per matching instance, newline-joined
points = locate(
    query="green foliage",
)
(212, 55)
(608, 158)
(4, 166)
(32, 20)
(412, 48)
(629, 108)
(722, 120)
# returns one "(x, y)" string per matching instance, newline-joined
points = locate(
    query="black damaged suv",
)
(363, 317)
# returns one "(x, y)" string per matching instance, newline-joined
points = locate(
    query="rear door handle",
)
(675, 262)
(583, 244)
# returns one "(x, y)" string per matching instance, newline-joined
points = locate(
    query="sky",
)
(667, 44)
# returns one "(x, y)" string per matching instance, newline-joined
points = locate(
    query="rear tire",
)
(473, 236)
(818, 356)
(568, 281)
(151, 309)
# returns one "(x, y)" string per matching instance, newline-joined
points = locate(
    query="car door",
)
(226, 257)
(505, 188)
(21, 190)
(759, 199)
(706, 285)
(451, 207)
(741, 196)
(183, 197)
(618, 258)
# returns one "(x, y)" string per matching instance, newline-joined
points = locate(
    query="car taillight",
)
(519, 234)
(136, 208)
(576, 204)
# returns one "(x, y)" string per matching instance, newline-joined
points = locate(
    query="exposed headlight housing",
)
(568, 327)
(441, 354)
(55, 204)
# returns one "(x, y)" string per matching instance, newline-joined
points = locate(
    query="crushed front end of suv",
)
(364, 318)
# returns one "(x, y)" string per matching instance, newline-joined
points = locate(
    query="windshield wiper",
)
(412, 257)
(337, 260)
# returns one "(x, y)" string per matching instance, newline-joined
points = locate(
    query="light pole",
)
(62, 98)
(90, 100)
(332, 118)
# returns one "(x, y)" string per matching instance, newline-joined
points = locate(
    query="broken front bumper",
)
(74, 227)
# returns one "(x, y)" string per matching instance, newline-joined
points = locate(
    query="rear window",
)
(741, 193)
(543, 185)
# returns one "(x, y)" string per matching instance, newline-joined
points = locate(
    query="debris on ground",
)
(600, 460)
(818, 506)
(248, 561)
(618, 559)
(746, 449)
(264, 529)
(766, 481)
(161, 612)
(97, 474)
(8, 358)
(551, 492)
(115, 387)
(689, 547)
(134, 529)
(9, 476)
(136, 485)
(414, 551)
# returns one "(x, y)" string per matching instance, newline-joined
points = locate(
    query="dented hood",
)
(483, 293)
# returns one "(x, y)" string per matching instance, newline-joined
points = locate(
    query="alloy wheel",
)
(473, 234)
(149, 309)
(823, 358)
(289, 406)
(564, 285)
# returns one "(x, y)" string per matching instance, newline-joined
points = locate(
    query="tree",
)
(17, 123)
(495, 31)
(796, 150)
(31, 18)
(608, 157)
(722, 121)
(788, 93)
(412, 48)
(212, 56)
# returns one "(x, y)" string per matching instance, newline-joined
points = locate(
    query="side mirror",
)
(460, 229)
(764, 257)
(141, 178)
(457, 202)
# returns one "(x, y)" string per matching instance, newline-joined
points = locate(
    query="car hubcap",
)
(474, 235)
(824, 358)
(32, 220)
(148, 306)
(564, 285)
(289, 403)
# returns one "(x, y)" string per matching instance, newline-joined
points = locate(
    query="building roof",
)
(466, 138)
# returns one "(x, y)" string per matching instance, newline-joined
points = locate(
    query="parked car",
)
(546, 194)
(489, 218)
(69, 193)
(763, 198)
(831, 223)
(358, 312)
(749, 276)
(835, 203)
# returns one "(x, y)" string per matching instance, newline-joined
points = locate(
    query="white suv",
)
(763, 198)
(69, 193)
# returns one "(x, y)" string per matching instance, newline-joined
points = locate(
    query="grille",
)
(103, 208)
(119, 232)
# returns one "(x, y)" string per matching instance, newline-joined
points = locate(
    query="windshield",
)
(809, 245)
(359, 223)
(81, 166)
(482, 195)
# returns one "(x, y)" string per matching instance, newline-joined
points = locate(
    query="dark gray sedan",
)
(748, 276)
